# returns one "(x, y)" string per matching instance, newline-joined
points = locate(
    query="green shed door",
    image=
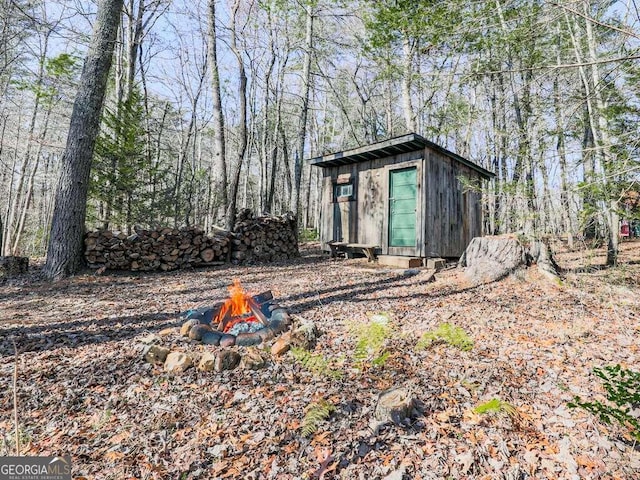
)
(402, 207)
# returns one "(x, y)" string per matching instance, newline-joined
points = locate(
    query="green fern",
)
(317, 412)
(622, 388)
(370, 340)
(497, 406)
(315, 363)
(446, 333)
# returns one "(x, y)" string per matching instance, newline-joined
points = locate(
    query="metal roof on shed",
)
(394, 146)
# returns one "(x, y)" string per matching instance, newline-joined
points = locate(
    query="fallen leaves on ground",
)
(84, 390)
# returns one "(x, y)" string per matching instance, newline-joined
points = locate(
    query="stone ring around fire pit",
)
(222, 324)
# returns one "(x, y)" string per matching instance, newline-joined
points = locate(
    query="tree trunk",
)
(488, 259)
(65, 249)
(30, 183)
(219, 164)
(603, 142)
(14, 211)
(589, 140)
(407, 74)
(302, 126)
(242, 147)
(613, 247)
(565, 206)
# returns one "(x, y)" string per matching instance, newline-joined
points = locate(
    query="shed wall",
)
(453, 215)
(448, 218)
(369, 208)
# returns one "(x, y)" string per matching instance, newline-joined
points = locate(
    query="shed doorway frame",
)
(414, 250)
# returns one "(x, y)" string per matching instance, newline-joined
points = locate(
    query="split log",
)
(489, 259)
(207, 255)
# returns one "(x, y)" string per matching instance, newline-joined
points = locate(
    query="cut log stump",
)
(395, 406)
(488, 259)
(11, 266)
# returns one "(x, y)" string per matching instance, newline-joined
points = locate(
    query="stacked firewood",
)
(264, 239)
(261, 239)
(159, 249)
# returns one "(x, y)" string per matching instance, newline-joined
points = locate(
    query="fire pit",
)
(240, 320)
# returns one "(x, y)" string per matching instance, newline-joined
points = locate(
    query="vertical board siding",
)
(452, 217)
(448, 217)
(371, 206)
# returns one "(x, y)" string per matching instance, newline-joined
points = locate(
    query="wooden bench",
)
(337, 247)
(350, 248)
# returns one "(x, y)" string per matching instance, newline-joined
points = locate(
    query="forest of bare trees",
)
(213, 106)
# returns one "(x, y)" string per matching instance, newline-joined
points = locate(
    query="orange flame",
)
(237, 301)
(237, 306)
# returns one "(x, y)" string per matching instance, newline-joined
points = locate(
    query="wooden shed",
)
(404, 196)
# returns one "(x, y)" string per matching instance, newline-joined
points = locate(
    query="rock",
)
(156, 354)
(227, 340)
(226, 360)
(207, 362)
(211, 338)
(203, 314)
(266, 334)
(252, 359)
(281, 345)
(186, 326)
(197, 331)
(151, 339)
(248, 339)
(305, 336)
(280, 320)
(177, 362)
(168, 331)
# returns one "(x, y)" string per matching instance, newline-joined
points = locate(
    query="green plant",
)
(370, 340)
(446, 333)
(308, 235)
(315, 363)
(622, 388)
(316, 413)
(8, 442)
(495, 405)
(105, 418)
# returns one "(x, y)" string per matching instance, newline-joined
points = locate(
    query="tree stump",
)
(11, 266)
(488, 259)
(395, 405)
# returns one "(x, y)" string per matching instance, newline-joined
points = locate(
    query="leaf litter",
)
(84, 390)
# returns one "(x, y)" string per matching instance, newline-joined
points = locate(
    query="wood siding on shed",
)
(448, 217)
(452, 215)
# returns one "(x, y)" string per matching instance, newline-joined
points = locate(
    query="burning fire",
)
(237, 301)
(236, 308)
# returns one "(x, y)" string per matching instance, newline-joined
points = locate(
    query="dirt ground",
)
(83, 388)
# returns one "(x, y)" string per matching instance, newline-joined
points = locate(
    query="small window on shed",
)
(344, 190)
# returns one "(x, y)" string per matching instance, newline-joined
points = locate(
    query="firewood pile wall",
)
(264, 239)
(260, 239)
(159, 249)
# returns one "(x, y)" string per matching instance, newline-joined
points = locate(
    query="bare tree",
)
(242, 125)
(219, 165)
(65, 250)
(302, 124)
